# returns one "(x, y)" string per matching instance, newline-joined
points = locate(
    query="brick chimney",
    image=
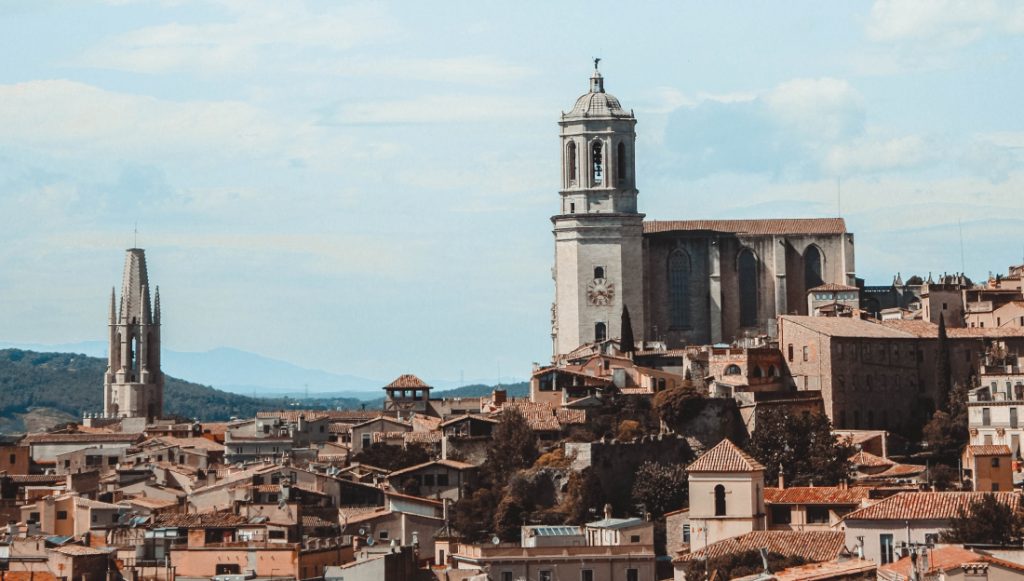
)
(782, 478)
(499, 396)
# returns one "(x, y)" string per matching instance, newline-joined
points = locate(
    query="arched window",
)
(812, 267)
(570, 161)
(600, 332)
(747, 266)
(597, 162)
(773, 371)
(757, 372)
(679, 288)
(733, 370)
(620, 163)
(598, 272)
(719, 500)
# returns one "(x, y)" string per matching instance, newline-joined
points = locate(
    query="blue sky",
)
(366, 187)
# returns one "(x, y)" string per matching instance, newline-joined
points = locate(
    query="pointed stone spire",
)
(899, 279)
(134, 280)
(145, 315)
(930, 281)
(156, 306)
(113, 309)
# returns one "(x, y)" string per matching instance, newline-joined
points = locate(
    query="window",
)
(620, 163)
(598, 272)
(1013, 417)
(806, 353)
(634, 538)
(986, 416)
(428, 480)
(506, 576)
(600, 332)
(747, 267)
(587, 575)
(886, 545)
(789, 352)
(686, 534)
(545, 576)
(995, 487)
(632, 575)
(33, 516)
(719, 500)
(679, 288)
(943, 306)
(62, 515)
(782, 514)
(442, 480)
(14, 458)
(366, 440)
(570, 161)
(988, 439)
(995, 462)
(597, 163)
(817, 515)
(572, 210)
(278, 534)
(733, 370)
(812, 267)
(382, 535)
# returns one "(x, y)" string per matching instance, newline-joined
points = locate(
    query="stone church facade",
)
(683, 281)
(133, 386)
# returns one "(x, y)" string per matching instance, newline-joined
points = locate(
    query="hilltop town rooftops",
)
(772, 226)
(725, 457)
(927, 505)
(947, 558)
(813, 546)
(199, 520)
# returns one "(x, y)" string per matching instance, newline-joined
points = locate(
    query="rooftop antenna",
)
(960, 225)
(839, 197)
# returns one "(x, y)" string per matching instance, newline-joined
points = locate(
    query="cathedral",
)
(683, 281)
(133, 386)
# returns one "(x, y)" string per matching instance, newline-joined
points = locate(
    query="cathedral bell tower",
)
(598, 232)
(133, 385)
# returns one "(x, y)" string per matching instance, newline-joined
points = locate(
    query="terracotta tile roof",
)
(81, 438)
(948, 558)
(927, 329)
(927, 505)
(725, 457)
(570, 417)
(848, 327)
(316, 521)
(37, 478)
(836, 569)
(407, 381)
(589, 378)
(901, 471)
(832, 287)
(989, 450)
(636, 391)
(293, 416)
(751, 227)
(384, 437)
(814, 546)
(200, 520)
(149, 502)
(541, 417)
(869, 460)
(432, 437)
(816, 495)
(80, 551)
(454, 464)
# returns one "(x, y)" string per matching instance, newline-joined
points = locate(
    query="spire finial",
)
(597, 61)
(596, 81)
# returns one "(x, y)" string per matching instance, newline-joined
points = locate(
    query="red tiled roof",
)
(814, 546)
(80, 438)
(725, 457)
(294, 415)
(432, 437)
(316, 521)
(869, 460)
(832, 287)
(927, 505)
(80, 551)
(835, 569)
(816, 495)
(569, 416)
(900, 470)
(949, 558)
(200, 520)
(453, 464)
(989, 450)
(407, 381)
(927, 329)
(751, 227)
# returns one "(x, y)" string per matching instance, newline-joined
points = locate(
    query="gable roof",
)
(725, 457)
(814, 546)
(927, 505)
(989, 450)
(453, 464)
(816, 495)
(869, 460)
(751, 227)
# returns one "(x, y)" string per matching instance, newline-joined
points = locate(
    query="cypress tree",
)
(627, 344)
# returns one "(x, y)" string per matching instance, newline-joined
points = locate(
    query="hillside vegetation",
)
(72, 383)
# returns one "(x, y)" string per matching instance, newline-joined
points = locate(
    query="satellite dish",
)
(362, 531)
(369, 541)
(495, 540)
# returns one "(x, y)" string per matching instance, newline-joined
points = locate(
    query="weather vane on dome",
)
(597, 60)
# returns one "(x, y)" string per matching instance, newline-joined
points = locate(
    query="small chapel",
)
(683, 281)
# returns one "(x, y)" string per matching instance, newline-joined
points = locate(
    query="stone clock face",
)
(600, 292)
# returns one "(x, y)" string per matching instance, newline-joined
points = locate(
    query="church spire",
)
(113, 301)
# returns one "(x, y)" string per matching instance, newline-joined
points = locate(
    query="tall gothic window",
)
(620, 163)
(597, 162)
(812, 267)
(570, 161)
(719, 500)
(679, 288)
(747, 266)
(600, 332)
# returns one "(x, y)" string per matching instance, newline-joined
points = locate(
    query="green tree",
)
(986, 521)
(803, 445)
(627, 344)
(584, 497)
(473, 515)
(661, 487)
(513, 447)
(679, 405)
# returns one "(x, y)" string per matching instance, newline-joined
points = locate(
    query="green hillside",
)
(72, 383)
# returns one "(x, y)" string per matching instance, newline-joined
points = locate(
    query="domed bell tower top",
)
(598, 147)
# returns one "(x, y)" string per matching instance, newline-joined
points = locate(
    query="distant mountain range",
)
(246, 373)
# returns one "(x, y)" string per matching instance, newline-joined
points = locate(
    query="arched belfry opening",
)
(571, 163)
(620, 163)
(597, 162)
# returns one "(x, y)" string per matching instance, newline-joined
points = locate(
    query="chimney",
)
(499, 396)
(782, 478)
(608, 510)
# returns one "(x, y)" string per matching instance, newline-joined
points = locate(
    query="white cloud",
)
(951, 22)
(438, 109)
(822, 109)
(865, 156)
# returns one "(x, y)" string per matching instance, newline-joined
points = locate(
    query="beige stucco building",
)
(726, 495)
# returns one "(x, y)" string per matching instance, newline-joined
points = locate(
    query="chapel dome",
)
(597, 103)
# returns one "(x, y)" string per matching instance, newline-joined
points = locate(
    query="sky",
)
(366, 187)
